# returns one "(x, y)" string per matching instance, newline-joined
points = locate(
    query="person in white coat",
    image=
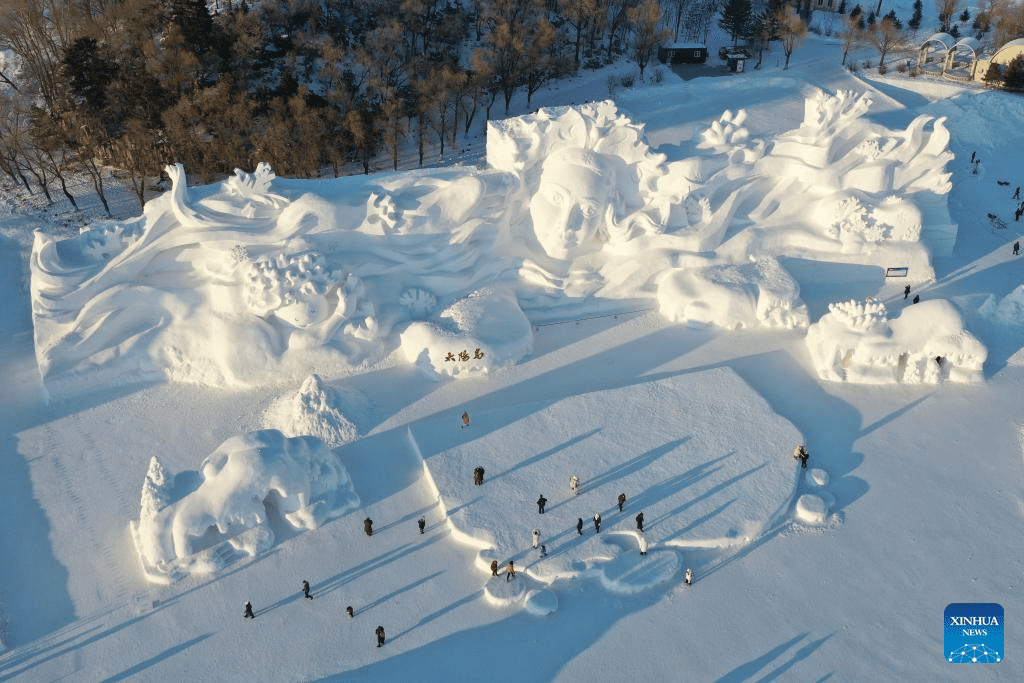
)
(688, 579)
(642, 542)
(574, 484)
(536, 538)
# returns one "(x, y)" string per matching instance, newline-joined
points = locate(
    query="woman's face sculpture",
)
(570, 205)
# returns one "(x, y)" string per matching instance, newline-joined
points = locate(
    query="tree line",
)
(311, 86)
(307, 85)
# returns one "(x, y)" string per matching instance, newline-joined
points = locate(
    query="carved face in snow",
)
(571, 204)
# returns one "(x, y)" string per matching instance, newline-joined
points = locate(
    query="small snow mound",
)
(811, 509)
(817, 477)
(502, 593)
(630, 572)
(541, 602)
(313, 411)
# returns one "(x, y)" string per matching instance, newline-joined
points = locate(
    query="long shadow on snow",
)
(26, 556)
(746, 672)
(584, 615)
(156, 659)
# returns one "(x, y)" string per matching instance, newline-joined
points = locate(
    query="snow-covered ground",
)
(842, 571)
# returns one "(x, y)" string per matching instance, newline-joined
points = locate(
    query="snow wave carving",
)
(926, 344)
(260, 279)
(226, 515)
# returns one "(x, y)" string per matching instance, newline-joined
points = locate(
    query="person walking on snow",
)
(1016, 193)
(305, 589)
(511, 573)
(465, 420)
(688, 578)
(906, 292)
(801, 454)
(597, 523)
(642, 542)
(494, 567)
(536, 538)
(350, 612)
(541, 502)
(640, 521)
(368, 526)
(1016, 248)
(248, 611)
(916, 299)
(574, 484)
(478, 476)
(380, 635)
(622, 501)
(421, 523)
(579, 526)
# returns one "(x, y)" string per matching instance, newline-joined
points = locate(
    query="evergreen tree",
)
(1014, 76)
(735, 18)
(915, 19)
(88, 70)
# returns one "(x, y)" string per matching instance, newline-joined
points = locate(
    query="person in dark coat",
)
(380, 635)
(1016, 248)
(579, 526)
(478, 476)
(350, 612)
(1016, 193)
(421, 523)
(622, 501)
(917, 299)
(248, 611)
(494, 567)
(906, 291)
(640, 521)
(541, 502)
(368, 526)
(511, 573)
(597, 523)
(305, 589)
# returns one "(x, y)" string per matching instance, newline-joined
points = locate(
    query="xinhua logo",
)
(973, 633)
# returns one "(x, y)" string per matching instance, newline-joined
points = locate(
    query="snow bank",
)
(316, 410)
(258, 279)
(225, 514)
(926, 344)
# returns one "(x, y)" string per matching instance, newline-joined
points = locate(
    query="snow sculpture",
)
(260, 279)
(226, 516)
(484, 331)
(733, 296)
(927, 344)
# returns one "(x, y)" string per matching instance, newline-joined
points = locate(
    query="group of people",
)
(248, 612)
(574, 487)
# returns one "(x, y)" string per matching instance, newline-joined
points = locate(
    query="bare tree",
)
(792, 32)
(851, 35)
(645, 19)
(886, 36)
(947, 9)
